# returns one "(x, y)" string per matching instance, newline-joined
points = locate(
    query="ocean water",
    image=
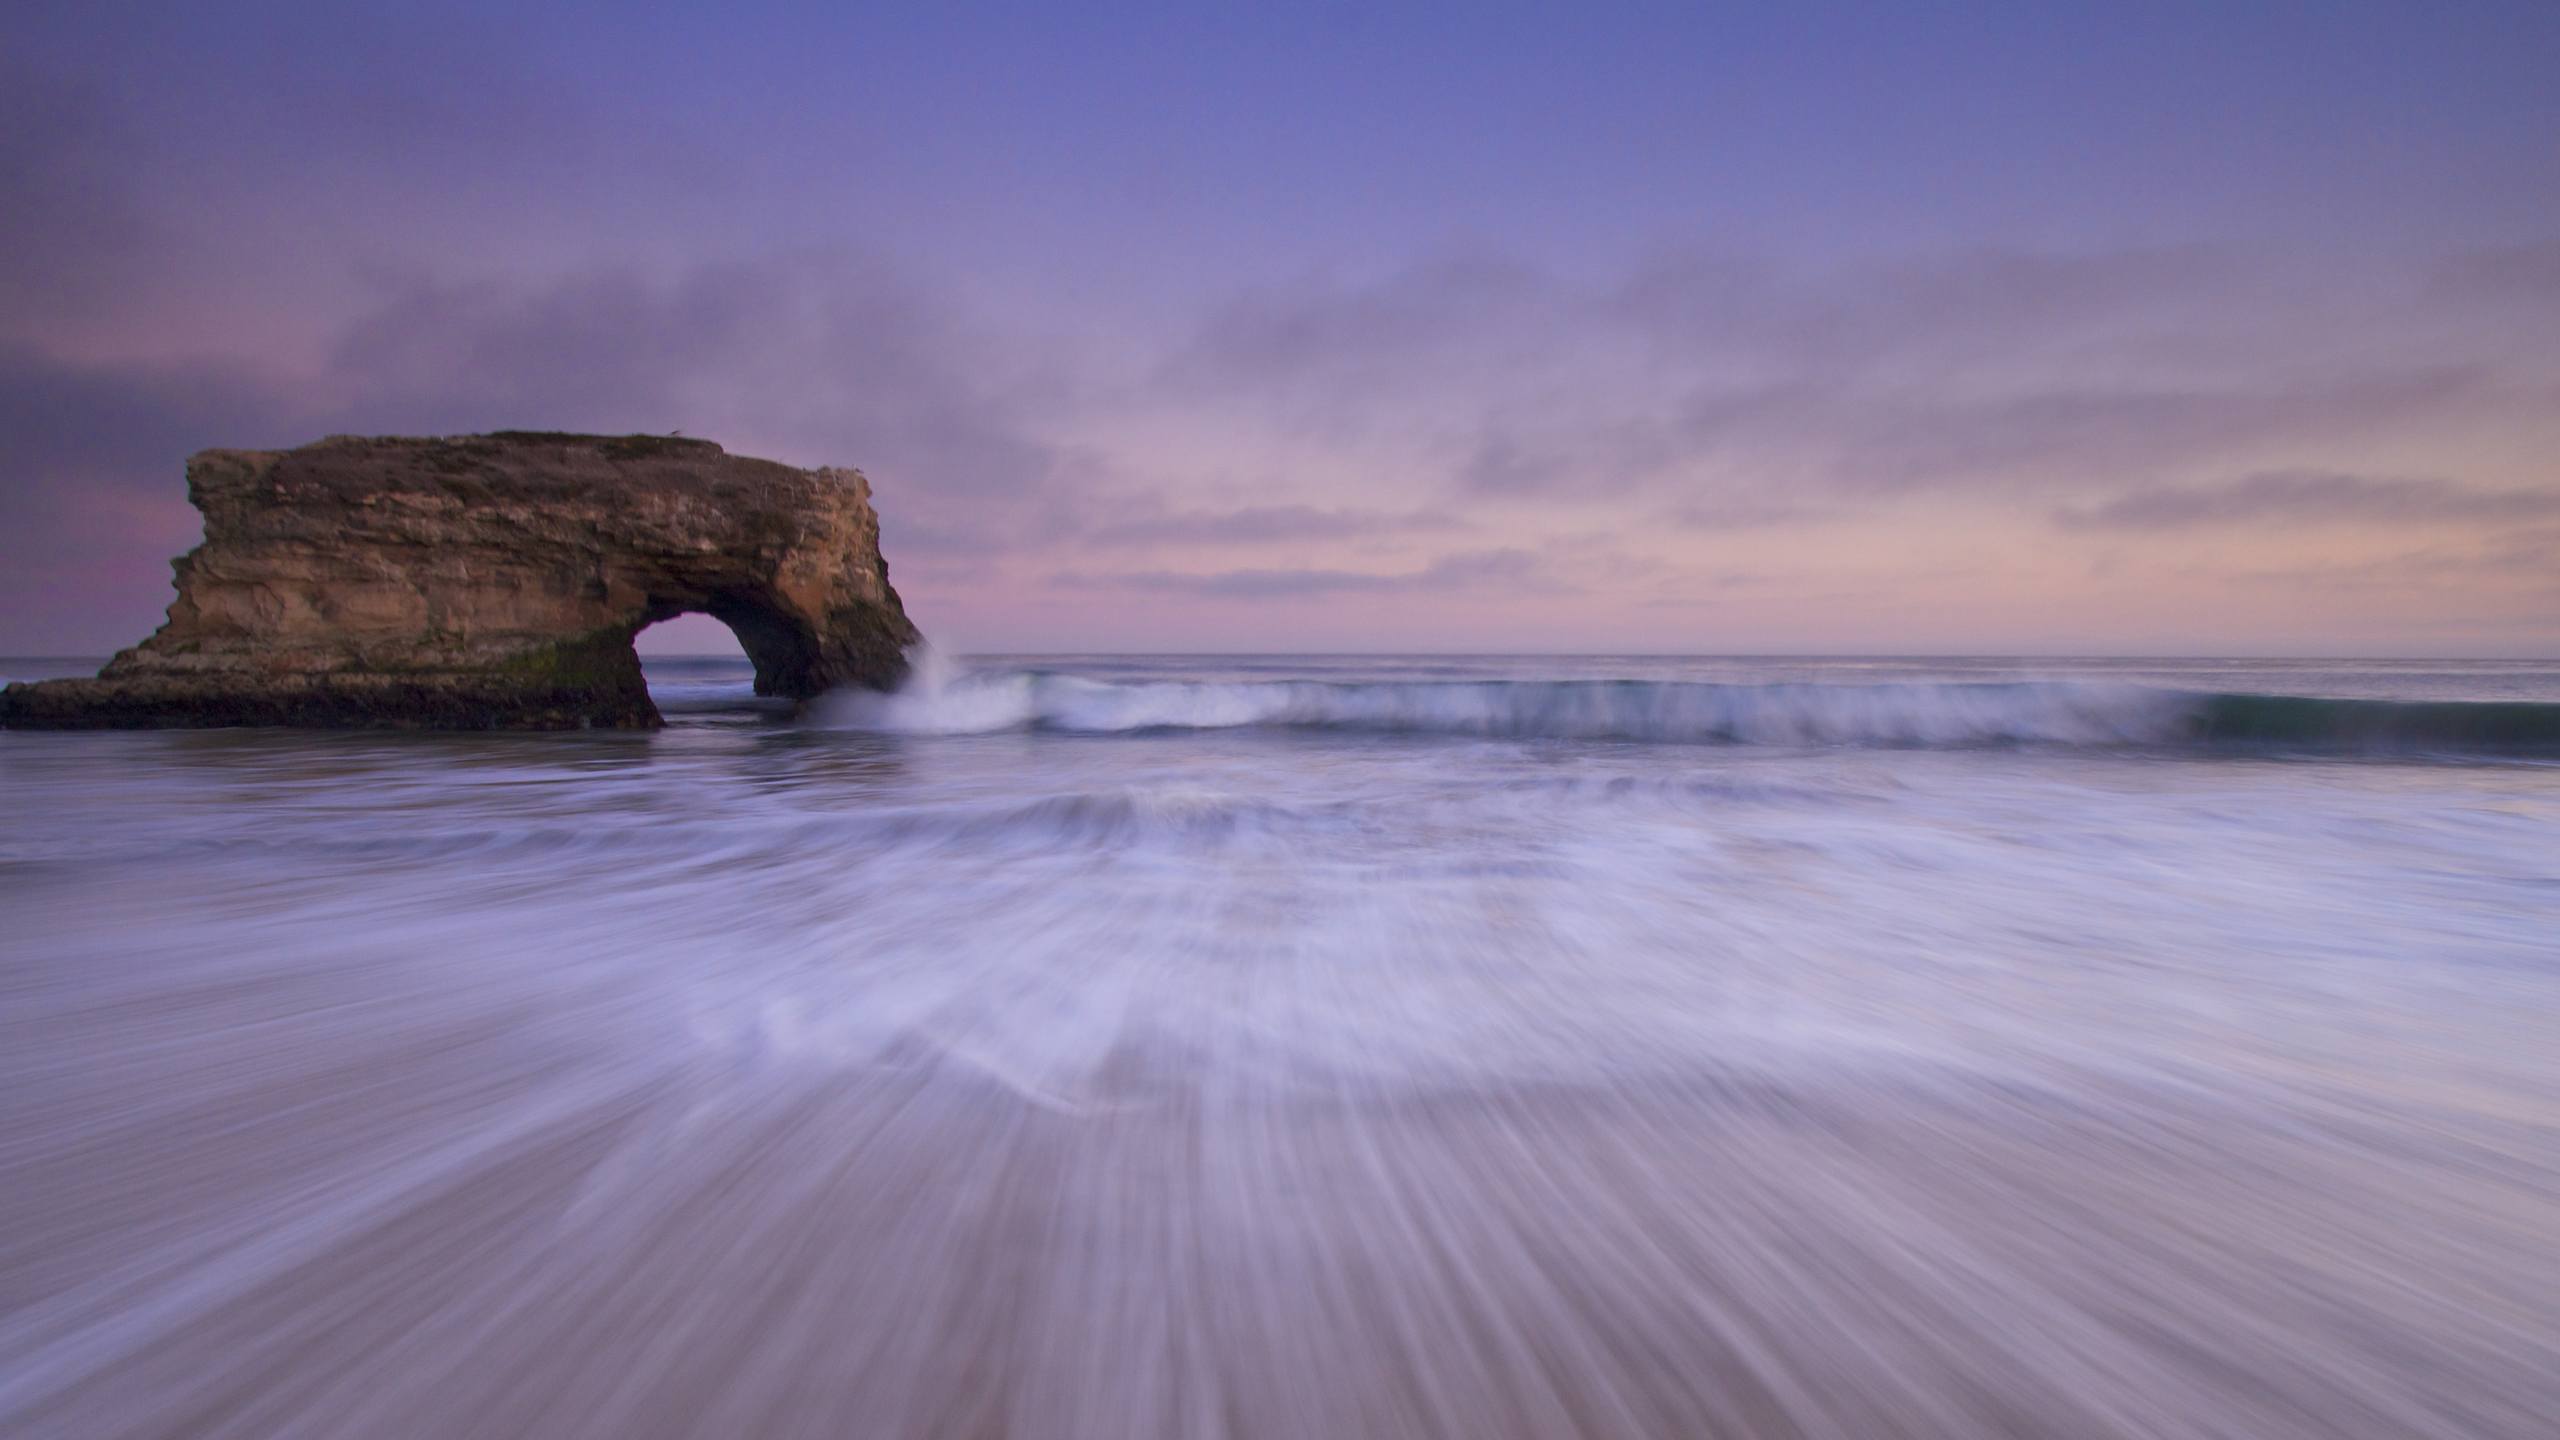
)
(1252, 1046)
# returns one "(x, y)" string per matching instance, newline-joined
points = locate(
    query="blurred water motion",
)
(1158, 1056)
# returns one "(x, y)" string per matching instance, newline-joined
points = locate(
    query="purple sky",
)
(2195, 328)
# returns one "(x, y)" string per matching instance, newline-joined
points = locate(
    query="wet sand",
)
(395, 1241)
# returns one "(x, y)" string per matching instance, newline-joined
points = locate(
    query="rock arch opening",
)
(693, 636)
(787, 654)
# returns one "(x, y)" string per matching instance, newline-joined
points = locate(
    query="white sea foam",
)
(945, 699)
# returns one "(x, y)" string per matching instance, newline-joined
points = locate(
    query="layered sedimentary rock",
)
(492, 581)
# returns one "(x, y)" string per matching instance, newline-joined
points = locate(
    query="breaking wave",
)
(1920, 715)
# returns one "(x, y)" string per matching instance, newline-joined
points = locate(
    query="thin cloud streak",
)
(1154, 524)
(2295, 497)
(1508, 569)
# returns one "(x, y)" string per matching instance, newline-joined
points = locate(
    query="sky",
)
(2172, 328)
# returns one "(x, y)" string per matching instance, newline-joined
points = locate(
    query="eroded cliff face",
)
(492, 581)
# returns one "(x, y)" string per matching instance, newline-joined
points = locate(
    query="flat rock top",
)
(544, 442)
(549, 461)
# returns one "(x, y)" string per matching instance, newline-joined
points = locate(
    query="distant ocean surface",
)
(1314, 1046)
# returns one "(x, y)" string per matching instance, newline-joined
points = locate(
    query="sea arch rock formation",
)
(492, 582)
